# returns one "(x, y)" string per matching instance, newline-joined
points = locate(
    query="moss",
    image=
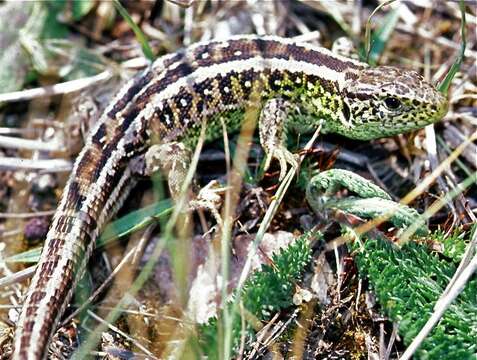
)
(408, 282)
(266, 292)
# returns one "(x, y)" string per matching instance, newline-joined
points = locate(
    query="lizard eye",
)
(392, 103)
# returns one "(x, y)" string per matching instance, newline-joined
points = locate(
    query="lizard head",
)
(385, 101)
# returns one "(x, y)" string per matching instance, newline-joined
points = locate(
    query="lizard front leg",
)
(272, 130)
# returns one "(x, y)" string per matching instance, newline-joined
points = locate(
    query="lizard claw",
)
(284, 157)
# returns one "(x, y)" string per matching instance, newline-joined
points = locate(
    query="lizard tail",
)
(100, 181)
(69, 244)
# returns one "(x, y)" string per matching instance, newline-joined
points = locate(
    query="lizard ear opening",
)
(346, 112)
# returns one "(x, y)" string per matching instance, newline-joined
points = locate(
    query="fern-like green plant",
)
(408, 281)
(266, 292)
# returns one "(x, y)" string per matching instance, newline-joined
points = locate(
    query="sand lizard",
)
(300, 84)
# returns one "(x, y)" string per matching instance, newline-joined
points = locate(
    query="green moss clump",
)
(408, 282)
(271, 289)
(453, 246)
(267, 291)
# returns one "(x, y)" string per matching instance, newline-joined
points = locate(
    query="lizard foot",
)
(173, 159)
(284, 157)
(209, 199)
